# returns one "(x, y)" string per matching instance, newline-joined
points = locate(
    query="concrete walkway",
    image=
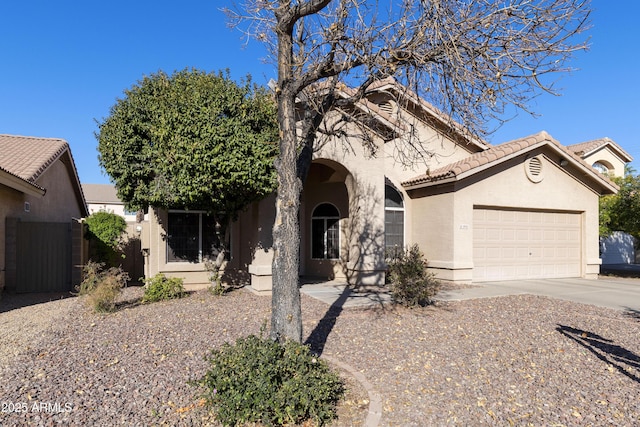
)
(337, 293)
(616, 293)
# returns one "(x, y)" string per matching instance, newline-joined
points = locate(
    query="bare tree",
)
(471, 59)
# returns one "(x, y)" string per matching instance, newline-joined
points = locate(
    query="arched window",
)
(325, 232)
(393, 219)
(600, 167)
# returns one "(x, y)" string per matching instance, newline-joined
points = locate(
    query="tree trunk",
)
(286, 316)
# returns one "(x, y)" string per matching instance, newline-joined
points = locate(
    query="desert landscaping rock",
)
(520, 360)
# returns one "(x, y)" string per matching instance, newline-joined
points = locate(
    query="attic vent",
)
(386, 106)
(535, 166)
(533, 169)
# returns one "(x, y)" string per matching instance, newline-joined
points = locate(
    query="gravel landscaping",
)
(521, 360)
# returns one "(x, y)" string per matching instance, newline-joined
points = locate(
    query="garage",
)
(510, 244)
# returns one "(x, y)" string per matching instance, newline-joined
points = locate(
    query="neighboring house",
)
(609, 158)
(104, 198)
(524, 209)
(41, 204)
(604, 155)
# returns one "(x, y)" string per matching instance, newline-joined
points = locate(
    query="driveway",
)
(616, 293)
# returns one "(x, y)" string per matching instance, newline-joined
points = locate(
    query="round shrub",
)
(258, 380)
(160, 287)
(410, 282)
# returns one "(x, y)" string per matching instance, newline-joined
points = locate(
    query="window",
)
(191, 237)
(393, 219)
(325, 232)
(601, 168)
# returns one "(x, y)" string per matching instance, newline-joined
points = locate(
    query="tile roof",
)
(494, 155)
(585, 148)
(28, 157)
(101, 193)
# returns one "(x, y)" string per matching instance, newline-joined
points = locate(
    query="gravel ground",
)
(521, 360)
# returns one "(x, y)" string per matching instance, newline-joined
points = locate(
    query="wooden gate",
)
(43, 257)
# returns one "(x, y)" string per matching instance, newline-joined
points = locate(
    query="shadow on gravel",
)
(318, 337)
(10, 301)
(135, 302)
(632, 313)
(625, 361)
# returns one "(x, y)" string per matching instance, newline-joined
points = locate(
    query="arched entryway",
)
(323, 218)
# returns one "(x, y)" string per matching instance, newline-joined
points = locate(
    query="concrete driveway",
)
(616, 293)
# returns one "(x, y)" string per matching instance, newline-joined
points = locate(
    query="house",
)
(523, 209)
(104, 198)
(610, 159)
(41, 204)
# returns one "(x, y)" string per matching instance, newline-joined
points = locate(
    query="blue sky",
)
(64, 63)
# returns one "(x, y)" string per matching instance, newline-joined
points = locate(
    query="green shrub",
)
(260, 380)
(160, 287)
(410, 283)
(102, 287)
(104, 231)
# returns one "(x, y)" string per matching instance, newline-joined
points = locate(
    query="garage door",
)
(519, 244)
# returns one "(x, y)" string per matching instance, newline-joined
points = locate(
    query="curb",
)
(375, 401)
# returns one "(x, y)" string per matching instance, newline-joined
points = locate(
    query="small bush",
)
(160, 287)
(102, 287)
(260, 380)
(410, 283)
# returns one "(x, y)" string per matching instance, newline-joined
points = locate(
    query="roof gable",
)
(435, 118)
(501, 153)
(585, 149)
(26, 158)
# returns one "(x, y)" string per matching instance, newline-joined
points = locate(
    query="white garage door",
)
(512, 244)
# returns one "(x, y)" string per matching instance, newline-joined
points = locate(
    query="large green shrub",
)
(410, 283)
(160, 287)
(104, 232)
(102, 287)
(260, 380)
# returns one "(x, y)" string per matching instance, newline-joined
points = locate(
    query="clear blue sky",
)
(64, 63)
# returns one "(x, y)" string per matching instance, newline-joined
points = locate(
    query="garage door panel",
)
(513, 244)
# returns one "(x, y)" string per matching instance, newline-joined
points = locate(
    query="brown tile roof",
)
(585, 148)
(495, 155)
(28, 157)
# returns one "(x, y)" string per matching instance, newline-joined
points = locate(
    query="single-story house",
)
(41, 203)
(523, 209)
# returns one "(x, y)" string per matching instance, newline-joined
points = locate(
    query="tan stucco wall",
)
(446, 236)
